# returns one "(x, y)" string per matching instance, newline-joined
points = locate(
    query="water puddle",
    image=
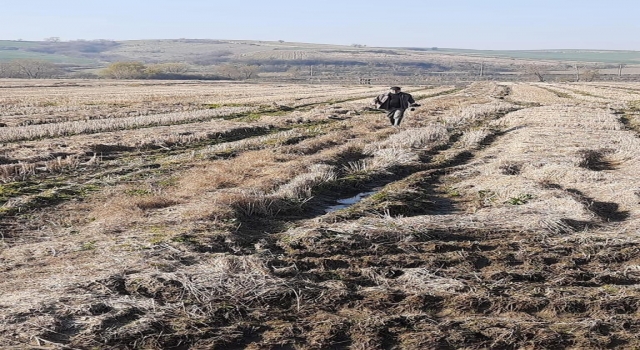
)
(347, 202)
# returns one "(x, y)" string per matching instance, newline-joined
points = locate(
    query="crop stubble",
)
(505, 217)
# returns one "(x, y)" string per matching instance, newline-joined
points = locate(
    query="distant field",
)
(9, 55)
(625, 57)
(13, 50)
(19, 44)
(221, 215)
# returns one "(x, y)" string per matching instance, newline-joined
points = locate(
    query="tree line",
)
(41, 69)
(176, 70)
(30, 69)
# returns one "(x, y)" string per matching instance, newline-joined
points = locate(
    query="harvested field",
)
(170, 215)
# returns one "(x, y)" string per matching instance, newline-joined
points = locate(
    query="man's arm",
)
(412, 102)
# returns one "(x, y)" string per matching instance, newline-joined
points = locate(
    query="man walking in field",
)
(395, 103)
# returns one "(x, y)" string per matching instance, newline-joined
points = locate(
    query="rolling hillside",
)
(277, 58)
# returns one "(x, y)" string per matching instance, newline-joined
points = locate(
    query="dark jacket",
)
(382, 101)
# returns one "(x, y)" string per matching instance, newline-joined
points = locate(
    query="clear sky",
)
(470, 24)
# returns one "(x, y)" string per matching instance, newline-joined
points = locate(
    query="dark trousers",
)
(395, 115)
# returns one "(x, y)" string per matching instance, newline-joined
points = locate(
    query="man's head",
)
(395, 89)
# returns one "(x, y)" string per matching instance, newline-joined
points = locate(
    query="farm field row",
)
(499, 215)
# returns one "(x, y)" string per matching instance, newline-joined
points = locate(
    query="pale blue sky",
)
(477, 24)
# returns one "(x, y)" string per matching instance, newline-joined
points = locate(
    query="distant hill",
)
(595, 56)
(213, 51)
(280, 58)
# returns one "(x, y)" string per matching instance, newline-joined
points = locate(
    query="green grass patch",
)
(138, 192)
(44, 194)
(21, 188)
(15, 44)
(520, 199)
(11, 55)
(251, 117)
(9, 190)
(90, 245)
(451, 192)
(184, 238)
(381, 196)
(486, 197)
(169, 182)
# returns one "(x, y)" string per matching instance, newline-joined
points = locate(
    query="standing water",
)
(347, 202)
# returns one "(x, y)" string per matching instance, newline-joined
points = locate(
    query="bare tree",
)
(238, 71)
(296, 71)
(591, 74)
(5, 70)
(34, 69)
(175, 67)
(249, 71)
(536, 70)
(53, 39)
(229, 71)
(171, 68)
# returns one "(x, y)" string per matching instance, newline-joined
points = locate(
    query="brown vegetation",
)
(196, 216)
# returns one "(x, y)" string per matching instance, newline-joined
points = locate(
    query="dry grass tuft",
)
(251, 203)
(465, 116)
(16, 172)
(301, 186)
(474, 138)
(428, 137)
(386, 158)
